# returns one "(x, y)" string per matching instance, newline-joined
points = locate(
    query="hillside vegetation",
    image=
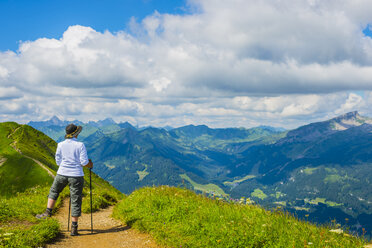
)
(27, 168)
(319, 171)
(18, 172)
(180, 218)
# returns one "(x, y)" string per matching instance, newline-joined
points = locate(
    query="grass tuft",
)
(180, 218)
(18, 225)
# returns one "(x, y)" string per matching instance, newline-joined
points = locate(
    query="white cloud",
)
(238, 62)
(3, 73)
(160, 84)
(9, 93)
(353, 102)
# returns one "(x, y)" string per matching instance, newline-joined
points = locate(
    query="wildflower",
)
(339, 231)
(8, 234)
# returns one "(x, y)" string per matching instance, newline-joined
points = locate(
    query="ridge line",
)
(13, 145)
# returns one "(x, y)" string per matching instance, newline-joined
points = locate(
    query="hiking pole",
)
(69, 210)
(91, 212)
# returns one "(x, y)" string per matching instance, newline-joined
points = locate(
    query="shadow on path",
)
(107, 232)
(98, 231)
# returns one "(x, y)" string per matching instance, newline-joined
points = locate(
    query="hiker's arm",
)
(84, 161)
(58, 156)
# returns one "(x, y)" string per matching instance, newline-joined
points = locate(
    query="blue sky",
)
(368, 30)
(23, 20)
(236, 63)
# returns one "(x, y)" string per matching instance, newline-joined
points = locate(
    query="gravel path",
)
(107, 232)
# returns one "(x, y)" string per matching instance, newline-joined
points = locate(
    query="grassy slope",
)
(36, 145)
(25, 185)
(18, 173)
(209, 188)
(103, 193)
(180, 218)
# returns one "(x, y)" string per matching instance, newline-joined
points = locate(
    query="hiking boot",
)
(74, 230)
(44, 215)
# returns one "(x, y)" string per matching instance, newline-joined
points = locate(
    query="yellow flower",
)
(339, 231)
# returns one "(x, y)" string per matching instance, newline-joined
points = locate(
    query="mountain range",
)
(321, 170)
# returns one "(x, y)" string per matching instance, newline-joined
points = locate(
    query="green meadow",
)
(209, 188)
(180, 218)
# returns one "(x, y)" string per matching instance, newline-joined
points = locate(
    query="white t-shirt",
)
(71, 156)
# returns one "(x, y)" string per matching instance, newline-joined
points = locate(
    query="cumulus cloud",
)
(238, 62)
(3, 72)
(9, 93)
(353, 101)
(160, 84)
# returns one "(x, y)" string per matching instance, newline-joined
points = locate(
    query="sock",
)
(74, 223)
(49, 210)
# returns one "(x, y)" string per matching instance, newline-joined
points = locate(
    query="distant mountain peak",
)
(347, 116)
(126, 125)
(101, 123)
(196, 126)
(108, 120)
(272, 129)
(54, 119)
(348, 120)
(316, 130)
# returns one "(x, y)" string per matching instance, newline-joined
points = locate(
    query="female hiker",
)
(71, 156)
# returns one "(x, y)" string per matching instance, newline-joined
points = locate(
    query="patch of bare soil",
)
(17, 224)
(107, 232)
(2, 161)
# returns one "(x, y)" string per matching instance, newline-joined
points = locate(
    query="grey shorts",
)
(76, 190)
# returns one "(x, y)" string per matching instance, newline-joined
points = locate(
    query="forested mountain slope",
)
(321, 170)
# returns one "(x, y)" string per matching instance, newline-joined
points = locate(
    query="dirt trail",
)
(107, 232)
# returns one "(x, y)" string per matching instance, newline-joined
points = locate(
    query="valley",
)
(320, 171)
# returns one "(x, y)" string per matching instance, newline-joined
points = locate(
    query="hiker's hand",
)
(90, 164)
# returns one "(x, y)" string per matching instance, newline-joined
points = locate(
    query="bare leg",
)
(51, 203)
(74, 219)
